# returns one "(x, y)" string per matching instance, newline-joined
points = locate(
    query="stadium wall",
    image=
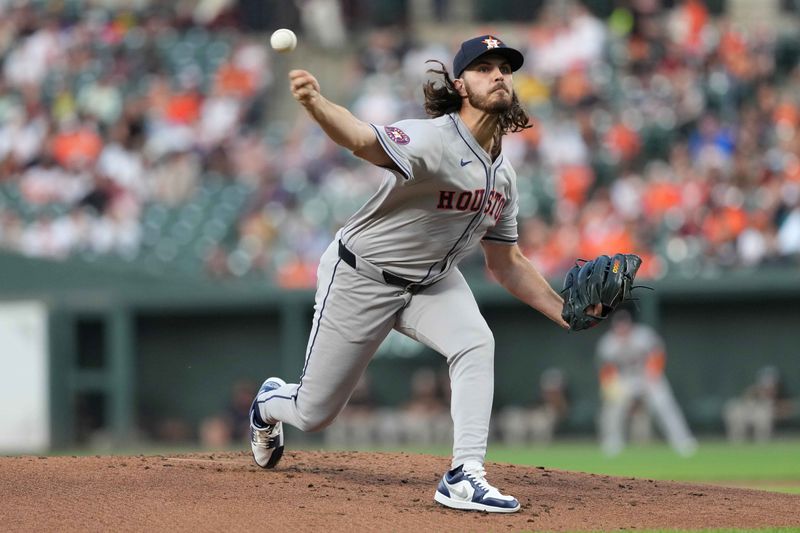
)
(125, 349)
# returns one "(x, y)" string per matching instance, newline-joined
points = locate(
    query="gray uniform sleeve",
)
(505, 230)
(415, 146)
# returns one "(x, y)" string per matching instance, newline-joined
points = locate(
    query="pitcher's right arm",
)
(337, 122)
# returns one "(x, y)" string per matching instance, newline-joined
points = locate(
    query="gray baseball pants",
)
(353, 314)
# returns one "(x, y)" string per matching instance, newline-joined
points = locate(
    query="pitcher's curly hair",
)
(441, 98)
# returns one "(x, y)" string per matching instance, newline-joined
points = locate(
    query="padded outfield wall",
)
(125, 347)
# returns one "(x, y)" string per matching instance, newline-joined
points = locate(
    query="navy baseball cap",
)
(474, 48)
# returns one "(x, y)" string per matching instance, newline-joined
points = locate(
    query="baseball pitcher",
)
(447, 189)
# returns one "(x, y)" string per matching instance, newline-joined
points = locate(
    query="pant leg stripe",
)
(293, 397)
(316, 331)
(313, 341)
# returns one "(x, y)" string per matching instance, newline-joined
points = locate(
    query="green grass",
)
(765, 530)
(773, 466)
(714, 461)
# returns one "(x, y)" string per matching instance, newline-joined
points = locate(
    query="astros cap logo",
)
(491, 42)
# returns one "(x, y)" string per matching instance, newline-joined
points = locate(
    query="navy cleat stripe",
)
(443, 488)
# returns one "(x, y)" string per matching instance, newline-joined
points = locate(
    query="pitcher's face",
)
(488, 84)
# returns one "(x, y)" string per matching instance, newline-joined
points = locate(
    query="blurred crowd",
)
(105, 114)
(666, 132)
(659, 129)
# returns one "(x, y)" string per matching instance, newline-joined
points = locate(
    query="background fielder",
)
(632, 359)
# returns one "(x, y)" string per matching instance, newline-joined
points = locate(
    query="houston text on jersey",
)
(471, 201)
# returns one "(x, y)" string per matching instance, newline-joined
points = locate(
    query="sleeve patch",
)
(397, 135)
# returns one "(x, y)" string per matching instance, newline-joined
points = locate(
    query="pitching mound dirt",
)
(349, 491)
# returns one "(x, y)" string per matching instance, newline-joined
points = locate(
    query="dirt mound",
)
(349, 491)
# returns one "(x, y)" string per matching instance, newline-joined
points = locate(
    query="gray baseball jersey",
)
(447, 195)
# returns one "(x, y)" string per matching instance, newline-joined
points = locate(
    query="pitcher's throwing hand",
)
(304, 86)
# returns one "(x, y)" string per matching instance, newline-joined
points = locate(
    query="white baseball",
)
(283, 40)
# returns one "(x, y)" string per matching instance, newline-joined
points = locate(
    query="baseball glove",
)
(604, 280)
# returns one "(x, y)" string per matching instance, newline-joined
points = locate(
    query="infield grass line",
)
(721, 530)
(773, 466)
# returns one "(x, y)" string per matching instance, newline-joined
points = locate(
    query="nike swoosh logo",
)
(465, 163)
(460, 491)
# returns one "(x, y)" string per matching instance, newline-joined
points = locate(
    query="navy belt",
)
(411, 286)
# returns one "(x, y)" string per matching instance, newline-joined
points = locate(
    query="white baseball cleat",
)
(266, 440)
(465, 487)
